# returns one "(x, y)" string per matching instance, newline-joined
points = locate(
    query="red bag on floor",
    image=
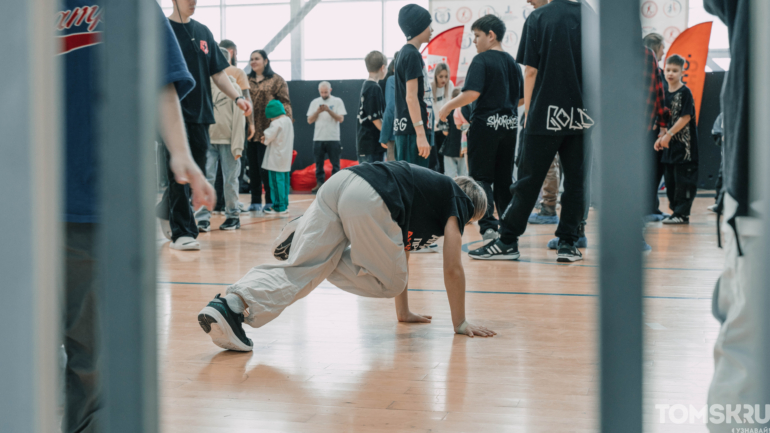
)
(304, 180)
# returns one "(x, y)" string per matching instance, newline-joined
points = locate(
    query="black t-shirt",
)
(419, 199)
(203, 58)
(683, 148)
(453, 143)
(371, 108)
(408, 67)
(551, 43)
(497, 77)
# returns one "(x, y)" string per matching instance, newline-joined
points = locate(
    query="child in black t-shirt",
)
(679, 145)
(413, 93)
(370, 110)
(495, 83)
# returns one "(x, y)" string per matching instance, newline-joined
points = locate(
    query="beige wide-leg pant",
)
(346, 236)
(736, 364)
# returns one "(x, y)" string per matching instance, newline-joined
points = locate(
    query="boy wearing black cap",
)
(413, 94)
(494, 81)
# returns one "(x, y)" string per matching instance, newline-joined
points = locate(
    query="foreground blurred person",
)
(81, 215)
(358, 234)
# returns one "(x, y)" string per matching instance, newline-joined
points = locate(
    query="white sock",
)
(235, 303)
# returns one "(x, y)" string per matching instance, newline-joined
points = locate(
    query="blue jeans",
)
(222, 154)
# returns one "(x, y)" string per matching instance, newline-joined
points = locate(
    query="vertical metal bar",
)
(382, 2)
(31, 247)
(297, 42)
(129, 85)
(222, 20)
(760, 189)
(617, 91)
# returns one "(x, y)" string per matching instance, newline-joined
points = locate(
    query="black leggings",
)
(258, 177)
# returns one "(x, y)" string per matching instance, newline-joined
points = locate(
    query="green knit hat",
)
(274, 109)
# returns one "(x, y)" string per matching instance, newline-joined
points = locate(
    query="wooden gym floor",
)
(335, 362)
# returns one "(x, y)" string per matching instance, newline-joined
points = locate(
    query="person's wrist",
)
(462, 327)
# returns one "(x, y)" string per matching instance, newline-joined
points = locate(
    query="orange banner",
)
(693, 45)
(446, 46)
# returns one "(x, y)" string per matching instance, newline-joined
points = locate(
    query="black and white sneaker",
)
(677, 219)
(204, 226)
(231, 224)
(282, 243)
(496, 250)
(568, 253)
(224, 326)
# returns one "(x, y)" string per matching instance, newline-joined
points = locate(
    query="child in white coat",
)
(279, 139)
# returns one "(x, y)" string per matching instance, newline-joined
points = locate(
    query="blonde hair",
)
(476, 193)
(440, 68)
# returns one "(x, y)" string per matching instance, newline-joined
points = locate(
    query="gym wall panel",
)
(301, 94)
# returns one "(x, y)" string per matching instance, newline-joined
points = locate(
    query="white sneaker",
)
(165, 227)
(186, 243)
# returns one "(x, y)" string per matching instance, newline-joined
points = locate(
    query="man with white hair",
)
(327, 112)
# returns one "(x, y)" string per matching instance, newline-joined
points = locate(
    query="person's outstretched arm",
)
(175, 138)
(221, 80)
(402, 306)
(454, 280)
(463, 99)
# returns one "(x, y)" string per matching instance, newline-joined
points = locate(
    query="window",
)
(326, 37)
(337, 34)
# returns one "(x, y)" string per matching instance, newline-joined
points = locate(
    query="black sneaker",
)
(496, 250)
(231, 224)
(204, 226)
(282, 244)
(568, 253)
(224, 326)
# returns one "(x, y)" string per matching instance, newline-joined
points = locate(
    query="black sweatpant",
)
(257, 175)
(490, 163)
(175, 204)
(681, 187)
(657, 170)
(321, 149)
(537, 154)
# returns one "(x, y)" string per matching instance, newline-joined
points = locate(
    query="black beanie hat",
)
(413, 20)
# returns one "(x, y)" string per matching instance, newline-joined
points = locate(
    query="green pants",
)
(279, 189)
(406, 150)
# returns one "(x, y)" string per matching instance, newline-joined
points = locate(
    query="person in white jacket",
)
(227, 138)
(279, 139)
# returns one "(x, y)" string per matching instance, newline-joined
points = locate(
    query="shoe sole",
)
(230, 228)
(501, 257)
(282, 244)
(204, 229)
(568, 259)
(212, 323)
